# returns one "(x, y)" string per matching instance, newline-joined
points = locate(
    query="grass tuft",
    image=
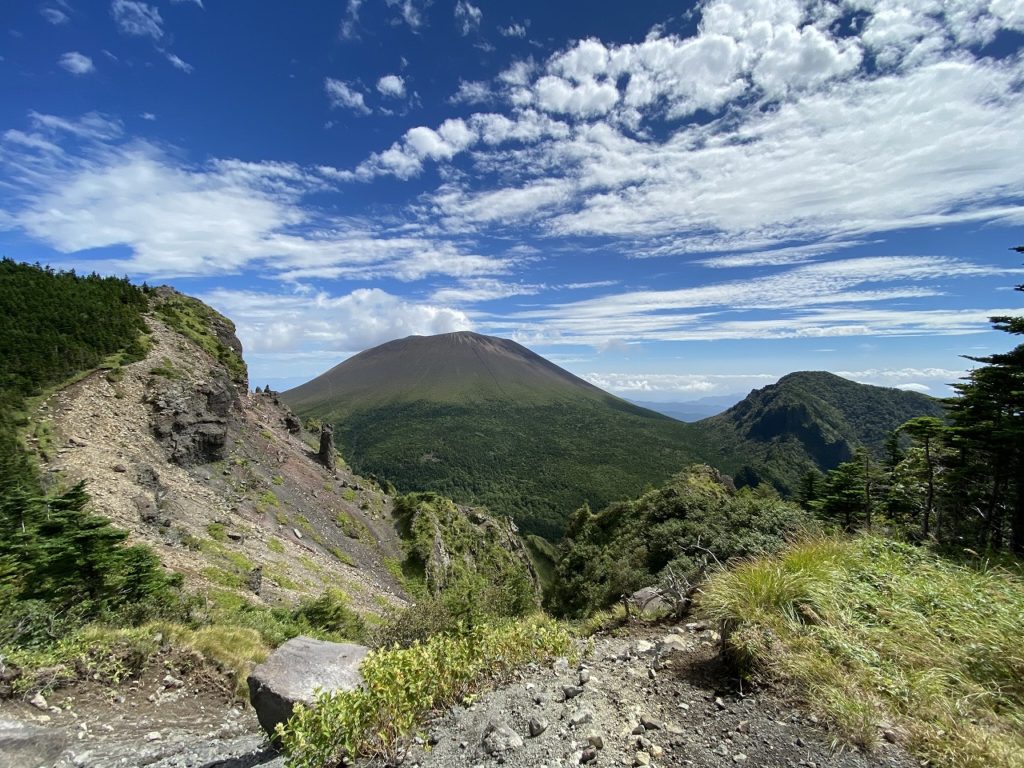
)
(874, 630)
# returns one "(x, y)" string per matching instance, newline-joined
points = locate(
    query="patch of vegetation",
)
(203, 326)
(269, 498)
(277, 479)
(342, 557)
(462, 567)
(267, 434)
(348, 494)
(275, 545)
(354, 529)
(166, 369)
(676, 529)
(402, 685)
(875, 630)
(217, 531)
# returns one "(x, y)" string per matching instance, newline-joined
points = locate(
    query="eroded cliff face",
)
(223, 483)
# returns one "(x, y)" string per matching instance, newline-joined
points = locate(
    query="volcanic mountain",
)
(485, 420)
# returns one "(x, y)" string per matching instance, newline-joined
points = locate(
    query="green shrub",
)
(275, 545)
(403, 685)
(330, 612)
(217, 531)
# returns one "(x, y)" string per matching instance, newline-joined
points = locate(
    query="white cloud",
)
(55, 16)
(219, 218)
(177, 63)
(392, 85)
(914, 386)
(471, 92)
(513, 30)
(348, 323)
(410, 11)
(343, 95)
(137, 19)
(148, 116)
(77, 63)
(476, 290)
(467, 17)
(347, 30)
(196, 2)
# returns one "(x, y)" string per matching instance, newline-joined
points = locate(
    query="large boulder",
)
(294, 672)
(29, 746)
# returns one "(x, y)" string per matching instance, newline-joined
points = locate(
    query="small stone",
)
(39, 702)
(499, 738)
(595, 740)
(172, 682)
(650, 724)
(799, 742)
(890, 736)
(719, 703)
(560, 665)
(739, 757)
(641, 758)
(656, 751)
(120, 468)
(651, 674)
(743, 727)
(153, 736)
(537, 726)
(589, 755)
(584, 676)
(722, 750)
(581, 717)
(642, 742)
(638, 730)
(643, 647)
(297, 532)
(571, 691)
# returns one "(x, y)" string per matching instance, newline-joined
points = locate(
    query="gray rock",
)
(326, 453)
(499, 738)
(589, 755)
(537, 726)
(571, 691)
(295, 670)
(650, 724)
(560, 665)
(28, 746)
(39, 702)
(581, 717)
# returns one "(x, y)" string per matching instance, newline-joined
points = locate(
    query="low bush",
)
(404, 684)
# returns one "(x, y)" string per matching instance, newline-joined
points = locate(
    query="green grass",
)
(217, 531)
(403, 685)
(275, 545)
(205, 327)
(875, 631)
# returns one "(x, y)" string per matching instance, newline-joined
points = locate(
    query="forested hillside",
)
(809, 420)
(52, 326)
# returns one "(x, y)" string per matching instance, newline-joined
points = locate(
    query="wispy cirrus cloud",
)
(77, 63)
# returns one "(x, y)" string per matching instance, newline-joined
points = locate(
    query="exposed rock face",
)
(192, 421)
(295, 670)
(28, 746)
(326, 453)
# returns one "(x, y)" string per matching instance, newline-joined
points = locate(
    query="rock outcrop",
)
(294, 672)
(192, 421)
(29, 746)
(326, 453)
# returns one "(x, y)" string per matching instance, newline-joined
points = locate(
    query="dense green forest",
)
(666, 533)
(54, 325)
(533, 463)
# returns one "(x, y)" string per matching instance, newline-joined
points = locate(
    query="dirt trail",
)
(656, 695)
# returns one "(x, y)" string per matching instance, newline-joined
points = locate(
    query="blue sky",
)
(671, 200)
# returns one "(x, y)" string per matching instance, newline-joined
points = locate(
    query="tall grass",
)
(878, 633)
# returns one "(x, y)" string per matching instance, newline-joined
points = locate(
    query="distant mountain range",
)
(692, 410)
(485, 420)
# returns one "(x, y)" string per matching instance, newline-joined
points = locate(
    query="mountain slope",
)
(485, 420)
(807, 419)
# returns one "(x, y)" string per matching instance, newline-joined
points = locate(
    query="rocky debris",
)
(23, 745)
(291, 423)
(39, 702)
(537, 726)
(292, 673)
(255, 580)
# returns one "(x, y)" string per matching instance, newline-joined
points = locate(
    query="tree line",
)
(957, 481)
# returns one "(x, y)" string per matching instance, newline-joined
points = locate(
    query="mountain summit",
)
(455, 368)
(485, 420)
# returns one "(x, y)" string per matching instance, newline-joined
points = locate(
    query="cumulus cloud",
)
(410, 12)
(341, 94)
(77, 63)
(467, 17)
(471, 92)
(513, 30)
(392, 85)
(137, 19)
(343, 324)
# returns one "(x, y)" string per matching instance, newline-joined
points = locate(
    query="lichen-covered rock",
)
(294, 671)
